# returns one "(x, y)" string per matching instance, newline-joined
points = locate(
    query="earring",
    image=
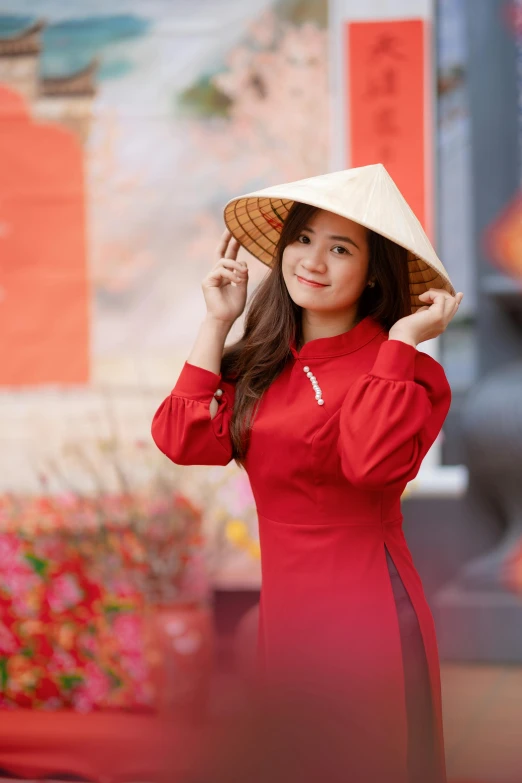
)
(372, 283)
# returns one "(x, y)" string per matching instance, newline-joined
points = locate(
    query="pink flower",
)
(127, 629)
(24, 606)
(136, 667)
(10, 548)
(64, 593)
(8, 643)
(82, 703)
(61, 661)
(19, 581)
(95, 688)
(123, 588)
(88, 642)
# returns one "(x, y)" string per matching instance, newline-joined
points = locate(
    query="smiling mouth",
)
(310, 282)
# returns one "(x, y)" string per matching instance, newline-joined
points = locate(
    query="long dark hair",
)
(273, 318)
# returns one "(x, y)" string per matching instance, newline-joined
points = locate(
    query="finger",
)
(232, 249)
(428, 296)
(456, 306)
(223, 243)
(439, 299)
(450, 308)
(221, 276)
(452, 313)
(432, 292)
(239, 274)
(233, 263)
(459, 296)
(439, 303)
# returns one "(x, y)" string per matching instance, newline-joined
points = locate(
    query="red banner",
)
(387, 68)
(44, 288)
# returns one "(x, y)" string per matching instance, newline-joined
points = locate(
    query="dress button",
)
(218, 393)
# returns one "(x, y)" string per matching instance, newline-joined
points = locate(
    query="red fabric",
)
(327, 481)
(102, 747)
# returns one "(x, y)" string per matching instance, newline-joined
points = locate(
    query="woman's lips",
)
(307, 282)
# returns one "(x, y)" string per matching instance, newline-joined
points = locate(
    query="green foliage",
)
(302, 11)
(116, 681)
(204, 99)
(37, 564)
(70, 681)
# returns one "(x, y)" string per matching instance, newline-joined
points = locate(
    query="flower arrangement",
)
(67, 639)
(144, 539)
(80, 575)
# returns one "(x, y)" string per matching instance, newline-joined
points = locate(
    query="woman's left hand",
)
(429, 321)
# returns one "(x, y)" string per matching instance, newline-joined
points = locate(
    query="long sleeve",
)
(391, 416)
(182, 427)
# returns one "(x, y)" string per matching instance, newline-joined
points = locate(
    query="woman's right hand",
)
(225, 286)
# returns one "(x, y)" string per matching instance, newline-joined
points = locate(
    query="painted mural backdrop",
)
(125, 128)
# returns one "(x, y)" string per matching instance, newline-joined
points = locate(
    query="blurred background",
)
(128, 585)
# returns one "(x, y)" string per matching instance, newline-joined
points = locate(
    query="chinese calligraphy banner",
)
(386, 82)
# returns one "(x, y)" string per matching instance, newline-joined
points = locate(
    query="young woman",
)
(330, 408)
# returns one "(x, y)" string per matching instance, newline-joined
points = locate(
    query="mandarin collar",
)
(346, 342)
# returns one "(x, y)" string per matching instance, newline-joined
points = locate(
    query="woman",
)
(329, 407)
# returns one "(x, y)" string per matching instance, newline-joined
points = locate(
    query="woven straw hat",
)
(366, 195)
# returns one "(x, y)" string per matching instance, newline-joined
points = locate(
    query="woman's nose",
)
(312, 259)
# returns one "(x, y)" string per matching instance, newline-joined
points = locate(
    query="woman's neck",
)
(315, 325)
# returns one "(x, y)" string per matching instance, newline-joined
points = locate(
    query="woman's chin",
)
(304, 295)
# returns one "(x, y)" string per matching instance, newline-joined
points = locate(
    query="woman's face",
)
(330, 250)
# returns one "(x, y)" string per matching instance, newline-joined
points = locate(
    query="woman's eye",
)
(342, 250)
(303, 236)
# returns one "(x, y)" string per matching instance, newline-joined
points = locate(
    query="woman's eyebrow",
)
(334, 236)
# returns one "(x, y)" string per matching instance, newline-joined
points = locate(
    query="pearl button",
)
(218, 393)
(317, 389)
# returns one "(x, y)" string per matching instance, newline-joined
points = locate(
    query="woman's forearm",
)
(207, 350)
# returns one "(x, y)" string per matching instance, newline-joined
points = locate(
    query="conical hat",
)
(366, 195)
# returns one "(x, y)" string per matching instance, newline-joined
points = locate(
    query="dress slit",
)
(419, 706)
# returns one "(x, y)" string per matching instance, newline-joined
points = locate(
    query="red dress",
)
(327, 481)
